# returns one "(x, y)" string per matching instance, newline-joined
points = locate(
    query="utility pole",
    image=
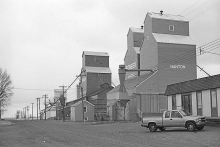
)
(45, 96)
(82, 96)
(37, 107)
(0, 109)
(27, 112)
(64, 103)
(32, 110)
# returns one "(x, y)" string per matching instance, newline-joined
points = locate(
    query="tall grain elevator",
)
(96, 79)
(168, 51)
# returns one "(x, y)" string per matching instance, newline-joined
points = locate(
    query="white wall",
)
(194, 103)
(218, 101)
(178, 102)
(169, 102)
(206, 103)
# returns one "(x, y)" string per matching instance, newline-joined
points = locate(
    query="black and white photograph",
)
(109, 73)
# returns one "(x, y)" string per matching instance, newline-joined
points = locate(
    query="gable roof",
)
(167, 16)
(95, 53)
(79, 102)
(131, 83)
(194, 85)
(174, 39)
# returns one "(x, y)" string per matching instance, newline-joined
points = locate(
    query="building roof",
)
(95, 53)
(103, 87)
(137, 30)
(79, 102)
(131, 83)
(194, 85)
(167, 16)
(97, 69)
(174, 39)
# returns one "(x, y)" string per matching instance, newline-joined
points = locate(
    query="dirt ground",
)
(70, 134)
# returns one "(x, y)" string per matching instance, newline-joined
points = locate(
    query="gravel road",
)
(71, 134)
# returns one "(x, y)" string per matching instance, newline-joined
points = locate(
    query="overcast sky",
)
(41, 41)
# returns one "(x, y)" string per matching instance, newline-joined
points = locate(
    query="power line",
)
(189, 7)
(204, 11)
(211, 53)
(36, 89)
(197, 8)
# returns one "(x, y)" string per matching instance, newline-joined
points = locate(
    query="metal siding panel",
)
(148, 53)
(162, 26)
(169, 102)
(194, 103)
(218, 101)
(206, 103)
(168, 75)
(178, 102)
(96, 61)
(138, 38)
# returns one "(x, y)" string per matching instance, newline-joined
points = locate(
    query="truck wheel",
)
(200, 128)
(191, 126)
(153, 127)
(162, 128)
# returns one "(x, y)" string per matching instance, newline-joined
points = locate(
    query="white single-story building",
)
(199, 96)
(76, 111)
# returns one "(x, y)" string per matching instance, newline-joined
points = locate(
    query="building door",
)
(214, 112)
(187, 102)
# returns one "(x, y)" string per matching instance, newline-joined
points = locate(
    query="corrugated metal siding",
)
(206, 103)
(174, 39)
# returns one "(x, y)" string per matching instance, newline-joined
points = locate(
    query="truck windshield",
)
(184, 113)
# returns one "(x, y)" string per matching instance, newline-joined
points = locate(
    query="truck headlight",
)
(198, 120)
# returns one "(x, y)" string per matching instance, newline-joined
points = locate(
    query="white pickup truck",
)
(174, 118)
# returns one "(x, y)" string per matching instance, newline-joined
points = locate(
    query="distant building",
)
(97, 74)
(168, 51)
(76, 111)
(135, 38)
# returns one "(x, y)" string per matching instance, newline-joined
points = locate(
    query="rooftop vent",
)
(142, 27)
(161, 12)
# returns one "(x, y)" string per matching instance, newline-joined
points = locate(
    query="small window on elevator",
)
(171, 27)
